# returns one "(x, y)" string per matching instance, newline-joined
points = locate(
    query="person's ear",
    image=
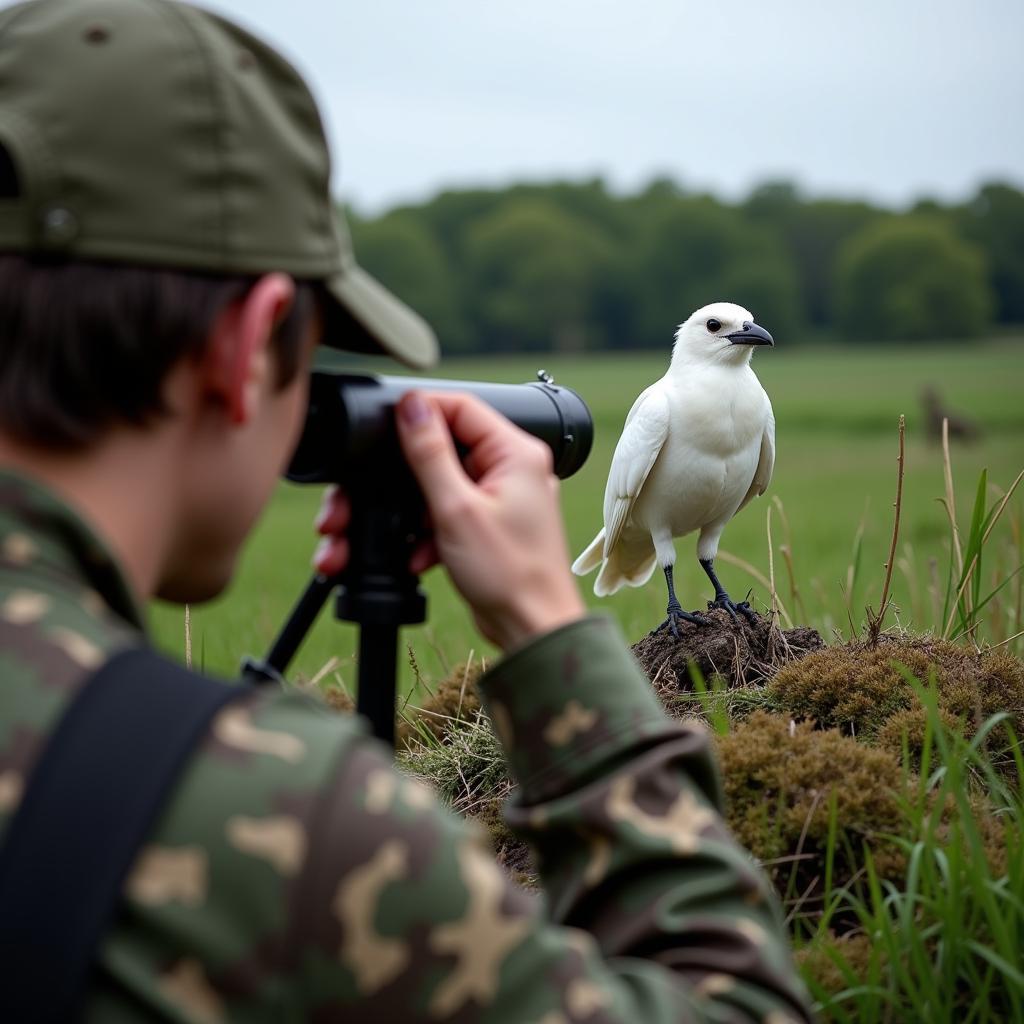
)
(239, 360)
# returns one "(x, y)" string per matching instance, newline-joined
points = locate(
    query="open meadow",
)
(837, 410)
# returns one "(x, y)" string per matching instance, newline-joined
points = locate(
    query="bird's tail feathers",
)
(591, 557)
(616, 572)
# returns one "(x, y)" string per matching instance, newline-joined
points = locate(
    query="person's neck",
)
(124, 489)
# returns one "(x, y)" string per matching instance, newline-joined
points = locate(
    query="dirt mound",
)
(740, 652)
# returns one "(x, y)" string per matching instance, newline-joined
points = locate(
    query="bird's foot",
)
(677, 615)
(723, 600)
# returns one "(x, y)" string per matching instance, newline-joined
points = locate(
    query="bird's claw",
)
(726, 602)
(677, 615)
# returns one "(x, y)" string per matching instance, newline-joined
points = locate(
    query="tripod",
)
(376, 590)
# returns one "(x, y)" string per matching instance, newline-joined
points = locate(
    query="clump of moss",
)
(904, 733)
(339, 699)
(833, 963)
(786, 783)
(860, 689)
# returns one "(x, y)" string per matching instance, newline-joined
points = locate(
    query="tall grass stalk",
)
(964, 601)
(786, 550)
(876, 619)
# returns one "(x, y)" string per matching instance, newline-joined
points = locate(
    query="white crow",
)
(696, 447)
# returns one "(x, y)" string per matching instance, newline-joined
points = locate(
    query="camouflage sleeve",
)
(653, 911)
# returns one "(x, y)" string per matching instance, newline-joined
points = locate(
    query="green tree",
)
(813, 231)
(534, 274)
(694, 250)
(401, 252)
(994, 220)
(912, 279)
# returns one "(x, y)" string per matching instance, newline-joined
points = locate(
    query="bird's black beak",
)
(751, 335)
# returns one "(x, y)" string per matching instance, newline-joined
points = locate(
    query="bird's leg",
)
(722, 599)
(675, 609)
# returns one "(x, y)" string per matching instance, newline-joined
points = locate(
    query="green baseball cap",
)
(153, 133)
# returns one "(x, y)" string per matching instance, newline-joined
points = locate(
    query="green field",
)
(837, 410)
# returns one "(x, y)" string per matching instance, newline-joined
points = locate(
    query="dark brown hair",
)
(87, 345)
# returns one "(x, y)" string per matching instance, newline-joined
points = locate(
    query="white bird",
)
(697, 445)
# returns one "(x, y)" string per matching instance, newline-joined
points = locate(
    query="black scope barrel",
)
(350, 423)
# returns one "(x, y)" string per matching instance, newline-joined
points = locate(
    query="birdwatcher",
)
(176, 849)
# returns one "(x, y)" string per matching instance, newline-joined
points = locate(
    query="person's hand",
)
(496, 521)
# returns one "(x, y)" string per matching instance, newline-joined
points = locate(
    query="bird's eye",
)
(714, 325)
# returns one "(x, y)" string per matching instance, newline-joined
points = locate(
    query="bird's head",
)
(719, 333)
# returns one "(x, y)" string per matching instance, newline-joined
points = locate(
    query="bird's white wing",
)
(642, 437)
(765, 463)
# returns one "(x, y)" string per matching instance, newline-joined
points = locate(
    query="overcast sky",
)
(887, 99)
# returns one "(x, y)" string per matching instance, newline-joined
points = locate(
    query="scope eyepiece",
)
(350, 422)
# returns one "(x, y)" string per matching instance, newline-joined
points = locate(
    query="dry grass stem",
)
(947, 471)
(1008, 640)
(774, 606)
(465, 679)
(188, 637)
(759, 577)
(329, 666)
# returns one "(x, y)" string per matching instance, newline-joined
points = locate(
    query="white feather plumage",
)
(697, 446)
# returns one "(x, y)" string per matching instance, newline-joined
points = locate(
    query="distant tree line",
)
(573, 267)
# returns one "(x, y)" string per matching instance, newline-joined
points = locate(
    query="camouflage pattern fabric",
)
(296, 876)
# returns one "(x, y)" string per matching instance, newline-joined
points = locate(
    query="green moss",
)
(860, 689)
(785, 784)
(834, 963)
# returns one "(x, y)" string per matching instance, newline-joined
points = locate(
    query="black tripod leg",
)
(378, 651)
(293, 632)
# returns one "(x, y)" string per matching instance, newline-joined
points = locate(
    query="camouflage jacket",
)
(294, 875)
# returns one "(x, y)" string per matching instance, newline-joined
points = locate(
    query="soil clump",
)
(740, 652)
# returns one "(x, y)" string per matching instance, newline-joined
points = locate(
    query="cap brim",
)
(373, 320)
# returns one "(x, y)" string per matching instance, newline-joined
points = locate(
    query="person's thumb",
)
(430, 451)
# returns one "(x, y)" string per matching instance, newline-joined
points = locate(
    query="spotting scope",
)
(350, 423)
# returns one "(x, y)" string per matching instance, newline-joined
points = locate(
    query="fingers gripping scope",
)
(350, 424)
(350, 438)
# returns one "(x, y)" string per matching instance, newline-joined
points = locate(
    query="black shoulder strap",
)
(90, 803)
